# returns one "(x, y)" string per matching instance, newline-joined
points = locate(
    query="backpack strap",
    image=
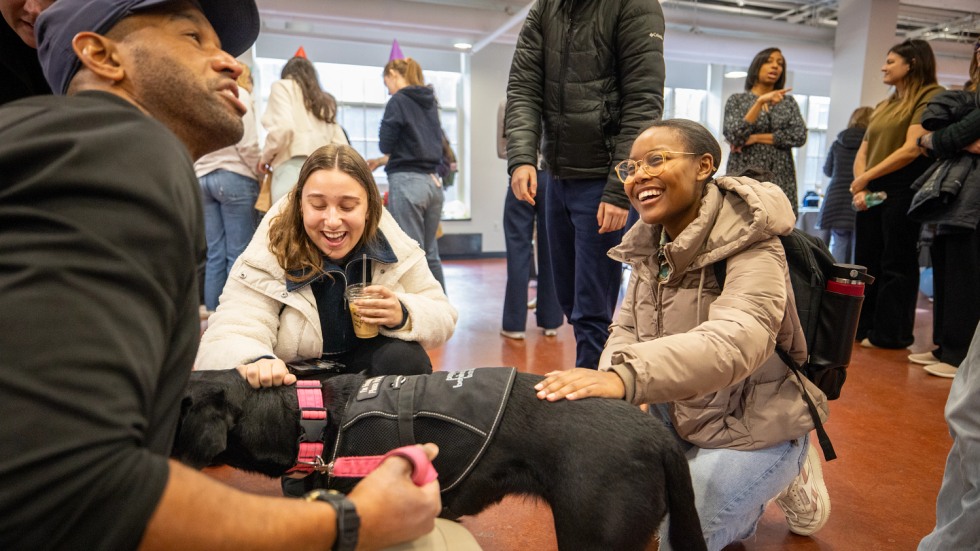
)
(721, 269)
(828, 449)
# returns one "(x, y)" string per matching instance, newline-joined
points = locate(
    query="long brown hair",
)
(407, 68)
(320, 104)
(288, 240)
(975, 69)
(922, 72)
(860, 117)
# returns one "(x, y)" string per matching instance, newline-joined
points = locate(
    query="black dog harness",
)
(459, 411)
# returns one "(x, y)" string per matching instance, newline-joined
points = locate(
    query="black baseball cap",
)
(236, 22)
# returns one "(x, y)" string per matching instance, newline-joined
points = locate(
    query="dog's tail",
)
(685, 526)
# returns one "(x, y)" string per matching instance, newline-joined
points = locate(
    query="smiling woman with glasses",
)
(652, 163)
(702, 354)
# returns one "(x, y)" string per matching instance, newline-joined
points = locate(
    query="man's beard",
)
(192, 109)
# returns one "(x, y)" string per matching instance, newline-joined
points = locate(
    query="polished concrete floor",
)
(887, 428)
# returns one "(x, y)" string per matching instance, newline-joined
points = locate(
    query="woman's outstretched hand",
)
(580, 383)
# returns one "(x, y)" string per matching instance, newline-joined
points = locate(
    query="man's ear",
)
(99, 55)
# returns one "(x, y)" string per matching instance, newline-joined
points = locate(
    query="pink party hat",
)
(396, 51)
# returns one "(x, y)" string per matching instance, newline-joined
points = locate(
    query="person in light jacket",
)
(701, 356)
(284, 300)
(299, 117)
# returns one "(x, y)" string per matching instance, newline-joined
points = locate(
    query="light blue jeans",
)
(958, 504)
(840, 245)
(229, 222)
(415, 202)
(733, 487)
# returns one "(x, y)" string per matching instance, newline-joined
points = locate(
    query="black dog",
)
(609, 471)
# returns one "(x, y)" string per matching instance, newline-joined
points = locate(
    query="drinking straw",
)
(363, 270)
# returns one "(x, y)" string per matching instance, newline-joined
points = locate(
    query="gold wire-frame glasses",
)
(653, 164)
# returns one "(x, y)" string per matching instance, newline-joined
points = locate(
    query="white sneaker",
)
(805, 502)
(516, 335)
(924, 358)
(551, 332)
(941, 369)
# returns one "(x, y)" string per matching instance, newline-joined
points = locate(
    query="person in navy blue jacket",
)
(411, 140)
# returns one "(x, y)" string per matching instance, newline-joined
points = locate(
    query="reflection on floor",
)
(888, 430)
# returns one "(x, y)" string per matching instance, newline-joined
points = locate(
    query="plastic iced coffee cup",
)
(363, 330)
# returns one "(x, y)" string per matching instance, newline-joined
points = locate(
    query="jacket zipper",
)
(561, 83)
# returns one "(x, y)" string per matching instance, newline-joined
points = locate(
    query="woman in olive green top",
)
(889, 160)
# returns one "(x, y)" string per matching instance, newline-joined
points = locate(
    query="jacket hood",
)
(851, 138)
(422, 95)
(735, 213)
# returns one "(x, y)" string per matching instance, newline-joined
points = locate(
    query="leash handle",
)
(360, 466)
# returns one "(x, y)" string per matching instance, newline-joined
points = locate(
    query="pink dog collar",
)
(314, 421)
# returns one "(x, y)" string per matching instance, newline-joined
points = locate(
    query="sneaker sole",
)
(922, 361)
(822, 495)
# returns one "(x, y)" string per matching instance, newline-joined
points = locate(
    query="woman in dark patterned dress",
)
(763, 124)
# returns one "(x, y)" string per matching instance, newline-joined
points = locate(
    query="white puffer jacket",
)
(257, 316)
(294, 131)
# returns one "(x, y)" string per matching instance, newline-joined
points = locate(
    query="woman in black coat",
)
(955, 251)
(836, 214)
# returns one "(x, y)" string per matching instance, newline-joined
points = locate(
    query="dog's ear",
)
(206, 417)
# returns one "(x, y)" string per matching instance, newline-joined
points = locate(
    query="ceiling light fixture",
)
(736, 74)
(463, 46)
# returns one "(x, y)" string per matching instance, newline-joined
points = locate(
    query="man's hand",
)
(524, 183)
(265, 372)
(580, 383)
(392, 508)
(263, 168)
(610, 217)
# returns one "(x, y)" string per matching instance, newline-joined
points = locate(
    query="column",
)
(865, 31)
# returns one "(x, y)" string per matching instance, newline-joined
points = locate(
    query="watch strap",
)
(348, 521)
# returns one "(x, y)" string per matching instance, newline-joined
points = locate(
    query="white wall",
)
(489, 182)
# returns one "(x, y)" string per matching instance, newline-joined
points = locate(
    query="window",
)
(810, 157)
(685, 103)
(361, 98)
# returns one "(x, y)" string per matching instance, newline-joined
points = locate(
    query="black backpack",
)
(829, 320)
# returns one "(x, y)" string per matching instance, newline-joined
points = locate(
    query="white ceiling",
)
(695, 27)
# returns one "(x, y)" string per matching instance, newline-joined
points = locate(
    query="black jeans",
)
(956, 280)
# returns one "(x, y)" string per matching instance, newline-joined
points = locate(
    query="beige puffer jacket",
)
(257, 316)
(710, 353)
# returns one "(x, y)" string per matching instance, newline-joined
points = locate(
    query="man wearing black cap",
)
(100, 233)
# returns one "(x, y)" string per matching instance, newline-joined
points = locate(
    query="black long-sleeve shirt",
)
(100, 233)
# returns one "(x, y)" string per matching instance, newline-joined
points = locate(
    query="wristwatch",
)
(348, 523)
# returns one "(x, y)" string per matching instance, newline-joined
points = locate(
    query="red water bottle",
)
(849, 279)
(837, 322)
